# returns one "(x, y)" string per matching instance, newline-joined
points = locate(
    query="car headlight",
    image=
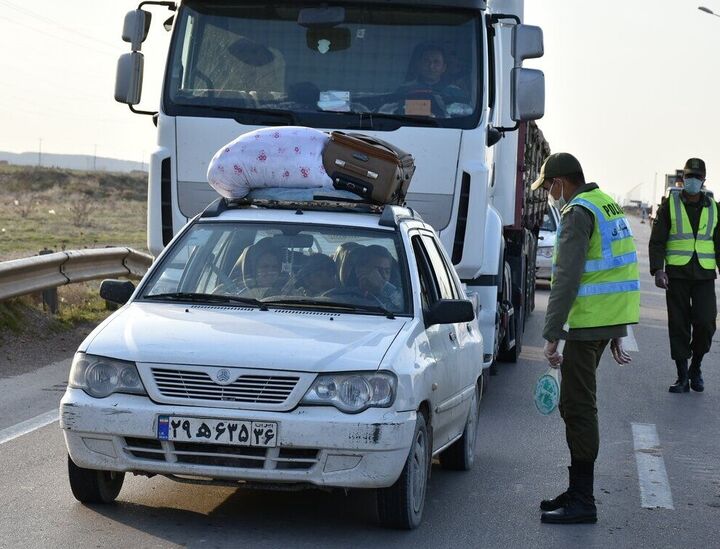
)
(353, 392)
(99, 376)
(546, 251)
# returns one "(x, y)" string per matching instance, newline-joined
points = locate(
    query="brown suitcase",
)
(369, 167)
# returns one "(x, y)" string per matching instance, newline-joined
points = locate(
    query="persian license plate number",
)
(218, 431)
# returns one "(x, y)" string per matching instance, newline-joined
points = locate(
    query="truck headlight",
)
(353, 392)
(100, 377)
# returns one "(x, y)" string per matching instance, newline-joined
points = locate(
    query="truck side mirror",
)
(527, 43)
(136, 27)
(129, 77)
(528, 94)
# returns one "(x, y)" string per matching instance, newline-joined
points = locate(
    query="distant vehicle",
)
(546, 244)
(237, 362)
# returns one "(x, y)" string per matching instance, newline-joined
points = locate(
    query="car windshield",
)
(364, 65)
(285, 265)
(548, 223)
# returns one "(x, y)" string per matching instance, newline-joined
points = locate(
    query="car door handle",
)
(452, 337)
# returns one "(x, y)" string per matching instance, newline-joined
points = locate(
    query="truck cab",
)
(442, 80)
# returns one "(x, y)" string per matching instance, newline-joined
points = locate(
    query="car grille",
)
(196, 385)
(222, 455)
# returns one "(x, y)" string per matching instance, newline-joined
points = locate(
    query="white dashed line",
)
(654, 485)
(28, 426)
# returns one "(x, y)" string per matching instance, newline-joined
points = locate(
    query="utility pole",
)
(654, 196)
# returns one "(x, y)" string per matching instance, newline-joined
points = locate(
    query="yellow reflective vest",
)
(683, 243)
(609, 292)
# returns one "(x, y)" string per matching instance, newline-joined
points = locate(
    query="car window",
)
(429, 290)
(347, 266)
(445, 282)
(548, 223)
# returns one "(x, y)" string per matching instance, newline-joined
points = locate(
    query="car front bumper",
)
(316, 445)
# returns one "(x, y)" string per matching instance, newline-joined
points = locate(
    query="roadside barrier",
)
(42, 272)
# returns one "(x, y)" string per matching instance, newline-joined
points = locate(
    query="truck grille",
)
(196, 385)
(221, 455)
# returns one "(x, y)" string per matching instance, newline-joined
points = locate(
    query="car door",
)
(464, 338)
(439, 337)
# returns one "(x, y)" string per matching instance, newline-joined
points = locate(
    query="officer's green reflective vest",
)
(682, 242)
(609, 292)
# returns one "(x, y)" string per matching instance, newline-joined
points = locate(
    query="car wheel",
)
(401, 505)
(92, 486)
(461, 455)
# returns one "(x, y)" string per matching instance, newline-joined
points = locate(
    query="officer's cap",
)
(557, 165)
(694, 166)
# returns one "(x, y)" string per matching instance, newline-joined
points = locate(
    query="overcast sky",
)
(632, 87)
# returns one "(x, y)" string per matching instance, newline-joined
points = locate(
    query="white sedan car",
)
(546, 244)
(305, 346)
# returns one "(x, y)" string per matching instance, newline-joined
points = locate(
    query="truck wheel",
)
(461, 455)
(401, 505)
(91, 486)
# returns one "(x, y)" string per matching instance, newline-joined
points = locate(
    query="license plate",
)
(261, 434)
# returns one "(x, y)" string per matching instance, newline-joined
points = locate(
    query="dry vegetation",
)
(69, 209)
(46, 208)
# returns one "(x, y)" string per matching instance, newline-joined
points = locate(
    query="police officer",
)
(595, 293)
(684, 252)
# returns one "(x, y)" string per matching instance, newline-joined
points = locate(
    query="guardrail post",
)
(49, 296)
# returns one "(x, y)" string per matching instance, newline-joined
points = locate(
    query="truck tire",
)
(401, 505)
(92, 486)
(460, 456)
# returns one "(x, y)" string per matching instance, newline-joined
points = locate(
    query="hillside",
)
(72, 161)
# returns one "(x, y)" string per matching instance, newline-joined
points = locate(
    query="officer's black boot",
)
(579, 505)
(681, 385)
(561, 500)
(695, 375)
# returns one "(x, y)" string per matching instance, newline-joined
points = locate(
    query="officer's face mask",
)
(692, 185)
(558, 203)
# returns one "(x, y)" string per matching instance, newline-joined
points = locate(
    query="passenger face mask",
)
(692, 185)
(558, 203)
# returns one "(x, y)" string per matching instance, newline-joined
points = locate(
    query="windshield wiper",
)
(331, 305)
(245, 115)
(410, 120)
(205, 298)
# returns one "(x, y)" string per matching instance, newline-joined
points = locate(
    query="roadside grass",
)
(50, 208)
(47, 208)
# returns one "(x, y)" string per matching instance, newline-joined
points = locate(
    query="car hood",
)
(301, 340)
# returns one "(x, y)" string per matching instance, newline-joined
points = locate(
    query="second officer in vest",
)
(684, 252)
(596, 292)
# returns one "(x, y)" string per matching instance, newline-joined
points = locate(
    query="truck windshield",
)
(366, 65)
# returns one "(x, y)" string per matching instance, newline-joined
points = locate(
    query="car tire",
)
(401, 505)
(460, 456)
(93, 486)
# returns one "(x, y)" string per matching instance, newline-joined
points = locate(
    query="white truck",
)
(441, 79)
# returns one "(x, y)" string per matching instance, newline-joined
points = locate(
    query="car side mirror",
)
(116, 291)
(135, 28)
(450, 311)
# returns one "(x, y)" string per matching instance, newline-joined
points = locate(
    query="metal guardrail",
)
(42, 272)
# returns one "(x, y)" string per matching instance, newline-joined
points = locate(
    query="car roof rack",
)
(332, 204)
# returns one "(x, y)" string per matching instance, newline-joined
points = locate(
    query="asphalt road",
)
(521, 459)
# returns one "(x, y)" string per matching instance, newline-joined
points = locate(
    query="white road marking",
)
(654, 485)
(28, 426)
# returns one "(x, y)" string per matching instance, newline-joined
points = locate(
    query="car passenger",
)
(260, 271)
(317, 276)
(373, 271)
